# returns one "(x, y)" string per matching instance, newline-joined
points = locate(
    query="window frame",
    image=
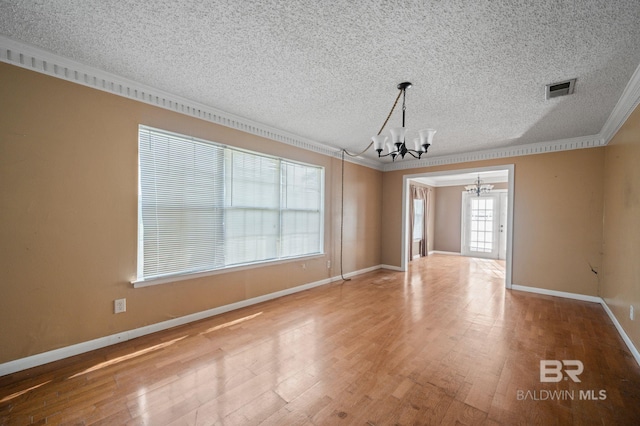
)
(141, 281)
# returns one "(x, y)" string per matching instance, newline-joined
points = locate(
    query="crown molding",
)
(510, 151)
(626, 105)
(36, 59)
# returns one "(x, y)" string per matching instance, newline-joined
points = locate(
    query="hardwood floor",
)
(444, 343)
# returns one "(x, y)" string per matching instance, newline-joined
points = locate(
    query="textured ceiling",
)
(328, 70)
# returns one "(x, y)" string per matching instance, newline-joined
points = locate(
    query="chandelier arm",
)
(381, 128)
(411, 151)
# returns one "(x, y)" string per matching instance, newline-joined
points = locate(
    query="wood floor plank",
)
(442, 343)
(309, 402)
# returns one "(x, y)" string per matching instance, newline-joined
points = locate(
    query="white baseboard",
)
(449, 253)
(80, 348)
(585, 298)
(392, 268)
(623, 334)
(358, 272)
(556, 293)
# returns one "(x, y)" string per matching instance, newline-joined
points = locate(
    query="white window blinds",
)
(204, 206)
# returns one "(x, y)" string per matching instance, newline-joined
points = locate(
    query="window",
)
(204, 206)
(418, 219)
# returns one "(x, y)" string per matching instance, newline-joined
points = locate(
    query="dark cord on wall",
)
(342, 219)
(344, 151)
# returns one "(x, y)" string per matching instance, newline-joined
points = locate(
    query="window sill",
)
(190, 276)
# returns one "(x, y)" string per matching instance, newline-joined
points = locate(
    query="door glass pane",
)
(481, 225)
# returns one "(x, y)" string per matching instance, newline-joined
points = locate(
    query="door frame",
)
(510, 168)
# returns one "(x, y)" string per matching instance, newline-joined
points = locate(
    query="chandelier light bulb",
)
(379, 142)
(397, 135)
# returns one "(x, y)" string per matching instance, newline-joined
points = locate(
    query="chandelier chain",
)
(381, 128)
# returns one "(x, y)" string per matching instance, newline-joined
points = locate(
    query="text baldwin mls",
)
(561, 395)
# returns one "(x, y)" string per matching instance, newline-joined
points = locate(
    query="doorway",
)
(462, 177)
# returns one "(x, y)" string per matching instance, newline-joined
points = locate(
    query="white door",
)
(484, 232)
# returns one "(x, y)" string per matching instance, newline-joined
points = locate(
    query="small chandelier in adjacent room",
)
(478, 188)
(397, 145)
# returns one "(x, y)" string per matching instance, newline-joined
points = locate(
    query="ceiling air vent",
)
(562, 88)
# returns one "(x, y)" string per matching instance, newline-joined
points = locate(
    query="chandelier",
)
(478, 188)
(397, 145)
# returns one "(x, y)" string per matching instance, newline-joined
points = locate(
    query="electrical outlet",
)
(328, 264)
(632, 314)
(304, 266)
(119, 306)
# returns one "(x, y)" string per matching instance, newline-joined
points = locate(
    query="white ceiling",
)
(327, 70)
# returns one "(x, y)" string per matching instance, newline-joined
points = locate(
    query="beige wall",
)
(557, 217)
(68, 222)
(621, 249)
(448, 217)
(362, 217)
